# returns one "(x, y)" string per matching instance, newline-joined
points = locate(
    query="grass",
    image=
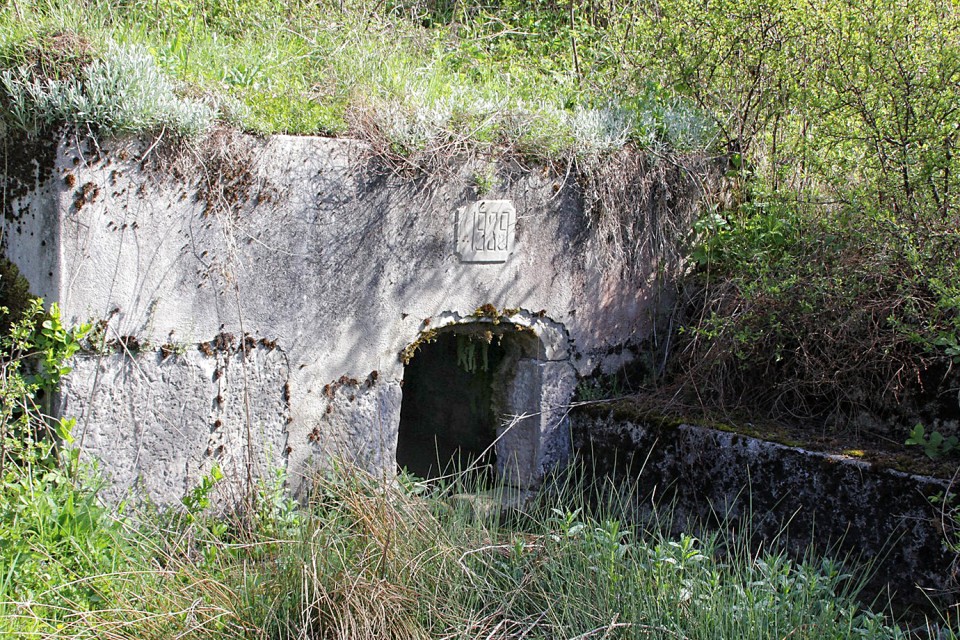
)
(369, 559)
(334, 68)
(366, 557)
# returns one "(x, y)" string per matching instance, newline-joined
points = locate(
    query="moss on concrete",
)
(14, 294)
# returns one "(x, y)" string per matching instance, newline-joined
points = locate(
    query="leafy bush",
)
(829, 288)
(53, 533)
(32, 361)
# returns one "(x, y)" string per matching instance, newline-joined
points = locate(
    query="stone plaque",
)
(485, 231)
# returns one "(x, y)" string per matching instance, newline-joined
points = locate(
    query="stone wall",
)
(701, 479)
(254, 296)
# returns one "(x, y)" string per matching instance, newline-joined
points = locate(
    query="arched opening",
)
(458, 393)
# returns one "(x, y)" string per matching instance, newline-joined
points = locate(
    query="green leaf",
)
(917, 436)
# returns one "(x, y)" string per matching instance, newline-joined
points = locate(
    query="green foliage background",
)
(831, 286)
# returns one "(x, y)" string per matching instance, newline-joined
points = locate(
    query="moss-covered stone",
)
(15, 294)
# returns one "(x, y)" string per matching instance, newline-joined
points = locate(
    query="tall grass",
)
(368, 559)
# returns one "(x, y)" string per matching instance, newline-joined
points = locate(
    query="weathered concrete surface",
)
(307, 244)
(840, 505)
(520, 438)
(159, 423)
(358, 424)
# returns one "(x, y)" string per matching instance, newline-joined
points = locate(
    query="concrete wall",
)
(786, 497)
(254, 296)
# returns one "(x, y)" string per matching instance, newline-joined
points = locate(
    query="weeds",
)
(329, 68)
(821, 293)
(934, 445)
(366, 559)
(122, 91)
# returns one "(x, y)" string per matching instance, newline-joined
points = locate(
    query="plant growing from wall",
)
(33, 357)
(54, 531)
(473, 353)
(934, 444)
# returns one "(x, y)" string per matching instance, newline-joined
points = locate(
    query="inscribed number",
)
(491, 226)
(485, 231)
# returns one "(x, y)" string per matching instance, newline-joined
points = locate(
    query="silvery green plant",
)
(541, 128)
(122, 91)
(401, 127)
(423, 120)
(597, 132)
(684, 127)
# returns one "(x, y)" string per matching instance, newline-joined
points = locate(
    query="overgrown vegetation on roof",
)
(415, 76)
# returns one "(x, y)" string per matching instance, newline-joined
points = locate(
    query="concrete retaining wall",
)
(268, 287)
(838, 505)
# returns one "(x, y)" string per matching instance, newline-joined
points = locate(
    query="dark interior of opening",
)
(447, 422)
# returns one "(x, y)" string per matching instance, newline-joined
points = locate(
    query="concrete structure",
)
(277, 304)
(701, 480)
(257, 301)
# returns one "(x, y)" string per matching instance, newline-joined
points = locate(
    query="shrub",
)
(53, 533)
(828, 288)
(121, 91)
